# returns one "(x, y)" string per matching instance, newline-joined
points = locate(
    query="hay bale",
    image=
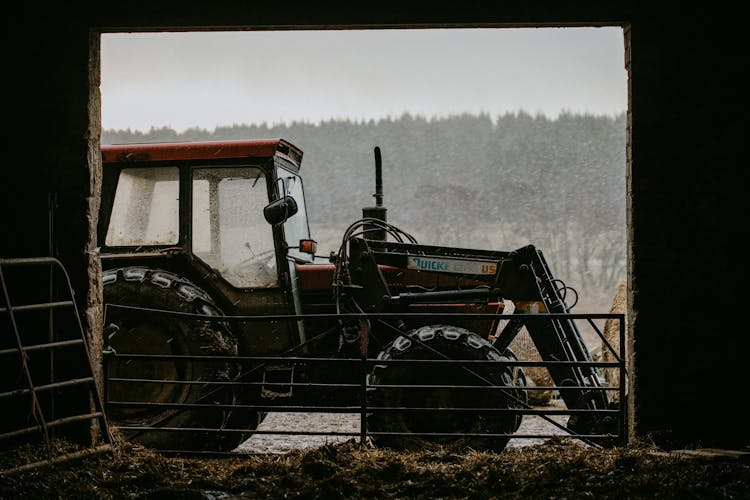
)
(537, 376)
(612, 335)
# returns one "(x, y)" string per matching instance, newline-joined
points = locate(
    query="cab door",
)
(242, 253)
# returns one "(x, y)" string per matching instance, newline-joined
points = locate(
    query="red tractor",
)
(220, 229)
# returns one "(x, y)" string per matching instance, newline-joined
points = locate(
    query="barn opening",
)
(494, 179)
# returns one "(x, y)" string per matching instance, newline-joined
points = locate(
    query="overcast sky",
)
(211, 79)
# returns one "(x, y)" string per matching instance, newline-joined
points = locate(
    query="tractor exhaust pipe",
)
(378, 212)
(378, 178)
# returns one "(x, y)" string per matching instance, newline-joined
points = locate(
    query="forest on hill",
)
(466, 181)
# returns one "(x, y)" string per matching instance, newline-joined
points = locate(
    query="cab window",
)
(296, 227)
(146, 209)
(230, 233)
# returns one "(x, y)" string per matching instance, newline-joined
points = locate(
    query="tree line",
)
(465, 180)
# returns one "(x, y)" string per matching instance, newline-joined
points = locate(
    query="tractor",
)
(213, 287)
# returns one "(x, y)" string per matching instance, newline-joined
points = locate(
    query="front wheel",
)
(497, 387)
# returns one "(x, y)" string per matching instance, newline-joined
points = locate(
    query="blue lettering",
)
(433, 265)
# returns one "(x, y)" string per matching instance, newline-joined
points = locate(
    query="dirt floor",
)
(556, 468)
(532, 425)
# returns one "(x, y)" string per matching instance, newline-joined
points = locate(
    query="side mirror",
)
(277, 212)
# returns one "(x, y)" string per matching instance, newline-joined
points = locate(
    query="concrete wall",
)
(682, 177)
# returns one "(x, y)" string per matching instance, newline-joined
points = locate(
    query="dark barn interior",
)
(683, 175)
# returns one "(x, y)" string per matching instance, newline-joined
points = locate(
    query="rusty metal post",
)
(363, 339)
(625, 427)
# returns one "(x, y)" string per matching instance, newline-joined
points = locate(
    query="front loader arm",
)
(556, 339)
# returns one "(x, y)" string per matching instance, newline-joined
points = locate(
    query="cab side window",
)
(146, 209)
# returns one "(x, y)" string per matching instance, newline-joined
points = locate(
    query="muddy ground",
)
(350, 423)
(557, 468)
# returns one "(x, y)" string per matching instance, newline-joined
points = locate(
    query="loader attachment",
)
(469, 275)
(558, 339)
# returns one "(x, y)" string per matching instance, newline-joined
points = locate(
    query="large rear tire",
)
(137, 332)
(444, 342)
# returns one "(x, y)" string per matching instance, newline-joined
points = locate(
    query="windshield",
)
(296, 227)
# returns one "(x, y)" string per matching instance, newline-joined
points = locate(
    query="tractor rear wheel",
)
(444, 342)
(139, 332)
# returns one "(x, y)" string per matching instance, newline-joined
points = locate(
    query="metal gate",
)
(48, 386)
(287, 366)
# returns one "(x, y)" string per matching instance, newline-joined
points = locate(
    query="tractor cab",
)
(229, 216)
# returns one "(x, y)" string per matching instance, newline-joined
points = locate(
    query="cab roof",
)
(205, 150)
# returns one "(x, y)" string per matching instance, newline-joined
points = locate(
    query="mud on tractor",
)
(220, 229)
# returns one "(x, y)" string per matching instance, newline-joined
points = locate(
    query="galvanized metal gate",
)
(48, 371)
(364, 384)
